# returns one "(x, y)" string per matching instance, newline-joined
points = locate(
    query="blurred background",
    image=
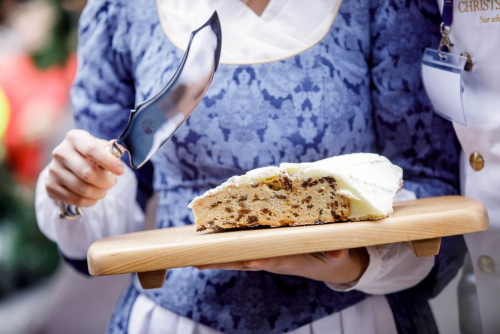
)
(38, 292)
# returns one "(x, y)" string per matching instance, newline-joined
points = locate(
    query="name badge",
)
(442, 78)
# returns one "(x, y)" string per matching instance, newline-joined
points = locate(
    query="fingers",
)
(269, 264)
(283, 262)
(239, 265)
(297, 261)
(333, 266)
(96, 151)
(58, 192)
(85, 170)
(77, 185)
(336, 254)
(74, 177)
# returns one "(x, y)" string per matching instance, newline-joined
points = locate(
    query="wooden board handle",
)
(152, 279)
(426, 247)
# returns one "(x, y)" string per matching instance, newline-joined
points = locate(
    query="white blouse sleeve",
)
(392, 267)
(116, 214)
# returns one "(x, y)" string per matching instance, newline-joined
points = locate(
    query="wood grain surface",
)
(157, 250)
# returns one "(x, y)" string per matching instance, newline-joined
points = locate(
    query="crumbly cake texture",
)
(350, 187)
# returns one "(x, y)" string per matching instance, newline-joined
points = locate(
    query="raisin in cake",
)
(348, 187)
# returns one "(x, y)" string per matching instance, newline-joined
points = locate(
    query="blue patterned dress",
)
(357, 90)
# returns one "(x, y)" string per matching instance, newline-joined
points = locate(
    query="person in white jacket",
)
(474, 32)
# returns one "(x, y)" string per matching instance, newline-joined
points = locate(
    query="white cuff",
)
(116, 214)
(392, 267)
(372, 271)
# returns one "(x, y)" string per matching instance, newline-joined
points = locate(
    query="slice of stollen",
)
(349, 187)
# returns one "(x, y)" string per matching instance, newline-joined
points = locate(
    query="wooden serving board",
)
(422, 222)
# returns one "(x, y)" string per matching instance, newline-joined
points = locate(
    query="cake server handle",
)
(72, 212)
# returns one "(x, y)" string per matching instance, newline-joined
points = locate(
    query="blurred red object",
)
(37, 100)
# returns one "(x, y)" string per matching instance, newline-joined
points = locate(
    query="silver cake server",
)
(154, 121)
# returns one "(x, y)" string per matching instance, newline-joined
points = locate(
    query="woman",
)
(298, 83)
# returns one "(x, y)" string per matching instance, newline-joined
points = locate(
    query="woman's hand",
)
(74, 174)
(337, 267)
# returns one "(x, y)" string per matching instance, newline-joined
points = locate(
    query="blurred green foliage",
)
(62, 41)
(26, 255)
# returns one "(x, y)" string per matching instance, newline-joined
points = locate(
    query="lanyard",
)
(447, 16)
(446, 20)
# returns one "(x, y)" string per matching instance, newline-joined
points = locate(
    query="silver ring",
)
(115, 150)
(71, 212)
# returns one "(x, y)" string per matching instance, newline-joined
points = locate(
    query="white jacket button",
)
(486, 264)
(476, 161)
